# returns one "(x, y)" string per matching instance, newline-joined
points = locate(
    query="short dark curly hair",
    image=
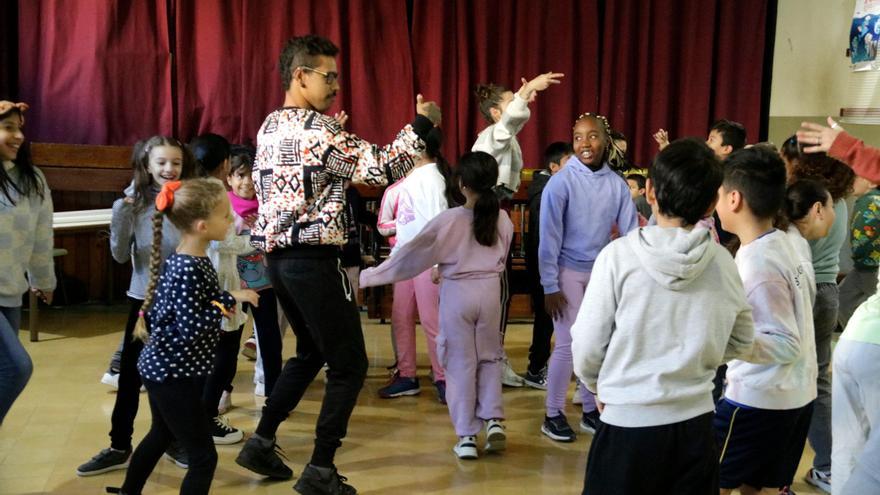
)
(302, 51)
(835, 175)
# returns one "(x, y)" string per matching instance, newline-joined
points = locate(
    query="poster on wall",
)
(864, 35)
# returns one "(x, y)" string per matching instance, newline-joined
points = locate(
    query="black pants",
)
(268, 337)
(223, 370)
(177, 413)
(127, 396)
(318, 301)
(506, 296)
(542, 328)
(679, 458)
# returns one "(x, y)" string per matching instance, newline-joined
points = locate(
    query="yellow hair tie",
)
(222, 308)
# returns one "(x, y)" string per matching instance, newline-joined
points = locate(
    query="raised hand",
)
(817, 138)
(429, 109)
(662, 138)
(530, 88)
(341, 117)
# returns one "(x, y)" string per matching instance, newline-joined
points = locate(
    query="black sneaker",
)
(223, 433)
(536, 380)
(312, 483)
(558, 429)
(106, 460)
(590, 421)
(262, 457)
(176, 454)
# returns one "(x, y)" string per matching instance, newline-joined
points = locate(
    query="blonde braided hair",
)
(194, 200)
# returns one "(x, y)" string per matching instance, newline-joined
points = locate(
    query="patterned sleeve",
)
(866, 221)
(352, 158)
(41, 266)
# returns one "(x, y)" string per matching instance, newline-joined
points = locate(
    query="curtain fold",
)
(96, 72)
(100, 72)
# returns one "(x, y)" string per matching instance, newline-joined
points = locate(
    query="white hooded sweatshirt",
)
(664, 308)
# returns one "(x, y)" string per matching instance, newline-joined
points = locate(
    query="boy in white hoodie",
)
(761, 424)
(664, 308)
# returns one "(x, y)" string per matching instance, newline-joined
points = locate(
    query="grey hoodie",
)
(131, 237)
(663, 309)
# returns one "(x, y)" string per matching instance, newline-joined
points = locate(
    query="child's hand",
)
(342, 118)
(554, 304)
(128, 199)
(428, 109)
(435, 275)
(45, 296)
(662, 138)
(600, 406)
(250, 220)
(246, 295)
(530, 88)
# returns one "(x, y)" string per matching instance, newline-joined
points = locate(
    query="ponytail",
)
(486, 217)
(478, 171)
(140, 328)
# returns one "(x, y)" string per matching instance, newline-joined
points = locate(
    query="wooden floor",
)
(400, 446)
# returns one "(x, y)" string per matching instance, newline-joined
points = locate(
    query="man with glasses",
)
(304, 159)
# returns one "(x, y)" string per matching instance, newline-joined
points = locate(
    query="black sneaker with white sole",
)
(262, 456)
(223, 433)
(558, 428)
(176, 454)
(105, 461)
(312, 482)
(590, 421)
(536, 380)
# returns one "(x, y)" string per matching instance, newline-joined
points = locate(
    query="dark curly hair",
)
(835, 175)
(302, 51)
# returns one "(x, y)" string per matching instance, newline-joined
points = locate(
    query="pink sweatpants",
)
(423, 295)
(572, 284)
(469, 346)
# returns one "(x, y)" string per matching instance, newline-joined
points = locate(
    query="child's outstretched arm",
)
(352, 158)
(41, 266)
(530, 89)
(430, 247)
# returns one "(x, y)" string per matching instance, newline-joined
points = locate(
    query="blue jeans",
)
(15, 364)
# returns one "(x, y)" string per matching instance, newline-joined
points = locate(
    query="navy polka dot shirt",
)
(184, 324)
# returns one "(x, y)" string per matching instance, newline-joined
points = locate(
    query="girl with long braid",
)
(184, 307)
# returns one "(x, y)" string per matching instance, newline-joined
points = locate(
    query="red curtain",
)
(95, 72)
(680, 65)
(101, 72)
(9, 51)
(457, 44)
(227, 65)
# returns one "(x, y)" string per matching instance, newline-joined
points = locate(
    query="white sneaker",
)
(496, 439)
(260, 389)
(249, 349)
(819, 479)
(111, 379)
(466, 448)
(225, 403)
(509, 378)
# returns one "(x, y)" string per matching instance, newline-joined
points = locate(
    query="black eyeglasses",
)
(329, 77)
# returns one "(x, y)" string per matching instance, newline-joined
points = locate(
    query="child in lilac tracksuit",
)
(579, 208)
(469, 244)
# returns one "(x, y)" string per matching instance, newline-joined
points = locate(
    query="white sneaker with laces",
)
(496, 439)
(509, 378)
(819, 479)
(466, 448)
(260, 389)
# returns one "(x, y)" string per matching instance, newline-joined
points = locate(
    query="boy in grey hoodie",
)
(664, 308)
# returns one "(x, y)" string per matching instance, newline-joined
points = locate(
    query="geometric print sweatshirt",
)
(304, 162)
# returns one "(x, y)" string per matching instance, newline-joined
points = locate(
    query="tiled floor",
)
(400, 446)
